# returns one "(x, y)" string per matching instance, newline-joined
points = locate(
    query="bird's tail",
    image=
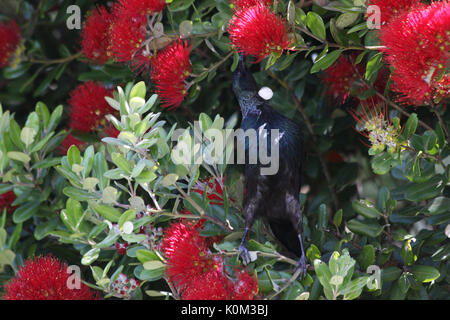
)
(284, 231)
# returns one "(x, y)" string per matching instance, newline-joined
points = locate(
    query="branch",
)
(56, 61)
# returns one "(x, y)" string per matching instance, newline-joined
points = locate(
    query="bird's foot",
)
(244, 254)
(301, 265)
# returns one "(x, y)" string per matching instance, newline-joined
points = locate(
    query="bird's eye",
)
(266, 93)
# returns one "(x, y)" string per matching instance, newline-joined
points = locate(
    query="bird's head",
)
(243, 81)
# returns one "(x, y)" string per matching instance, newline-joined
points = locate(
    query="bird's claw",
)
(244, 254)
(301, 265)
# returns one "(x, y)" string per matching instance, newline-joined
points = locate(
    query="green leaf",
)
(138, 90)
(337, 219)
(90, 256)
(286, 61)
(425, 190)
(169, 180)
(90, 183)
(346, 19)
(7, 257)
(73, 155)
(43, 229)
(25, 211)
(316, 25)
(128, 215)
(109, 241)
(79, 194)
(54, 118)
(425, 273)
(322, 221)
(427, 142)
(134, 238)
(390, 274)
(439, 205)
(353, 289)
(313, 253)
(146, 176)
(373, 65)
(382, 163)
(72, 215)
(326, 61)
(153, 265)
(109, 213)
(410, 126)
(366, 209)
(19, 156)
(121, 162)
(367, 256)
(324, 275)
(144, 255)
(205, 122)
(27, 135)
(372, 229)
(109, 195)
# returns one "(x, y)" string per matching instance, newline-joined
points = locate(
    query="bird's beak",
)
(241, 65)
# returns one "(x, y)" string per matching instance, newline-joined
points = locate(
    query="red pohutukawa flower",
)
(342, 77)
(133, 8)
(417, 47)
(88, 106)
(95, 35)
(129, 31)
(6, 199)
(259, 32)
(10, 36)
(339, 78)
(212, 286)
(178, 232)
(127, 36)
(169, 70)
(45, 278)
(246, 286)
(196, 272)
(244, 4)
(188, 256)
(390, 9)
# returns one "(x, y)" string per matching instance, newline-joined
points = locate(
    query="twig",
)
(444, 127)
(56, 61)
(286, 285)
(193, 216)
(276, 255)
(398, 108)
(216, 65)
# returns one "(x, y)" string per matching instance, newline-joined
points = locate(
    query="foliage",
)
(375, 220)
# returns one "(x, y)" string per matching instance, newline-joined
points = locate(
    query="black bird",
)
(271, 197)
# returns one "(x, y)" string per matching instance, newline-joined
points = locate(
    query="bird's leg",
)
(295, 213)
(250, 209)
(243, 251)
(301, 263)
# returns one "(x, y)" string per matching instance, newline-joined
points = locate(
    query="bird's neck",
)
(249, 102)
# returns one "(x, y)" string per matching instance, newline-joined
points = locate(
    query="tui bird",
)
(274, 198)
